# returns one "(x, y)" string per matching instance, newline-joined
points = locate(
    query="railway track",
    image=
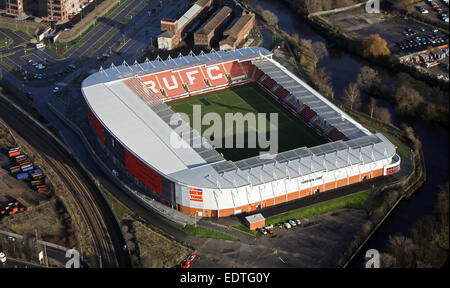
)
(106, 234)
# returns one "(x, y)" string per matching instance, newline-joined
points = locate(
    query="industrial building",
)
(238, 32)
(128, 112)
(55, 10)
(213, 28)
(175, 30)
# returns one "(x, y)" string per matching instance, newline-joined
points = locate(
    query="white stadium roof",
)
(142, 131)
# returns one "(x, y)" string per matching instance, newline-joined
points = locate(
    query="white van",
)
(40, 45)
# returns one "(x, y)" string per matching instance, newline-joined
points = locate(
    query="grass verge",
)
(245, 229)
(205, 233)
(353, 201)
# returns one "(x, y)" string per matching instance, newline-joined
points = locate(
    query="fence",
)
(337, 10)
(45, 243)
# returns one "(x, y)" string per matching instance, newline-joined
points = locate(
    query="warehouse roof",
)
(239, 25)
(218, 18)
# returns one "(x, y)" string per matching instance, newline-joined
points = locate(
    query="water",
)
(344, 69)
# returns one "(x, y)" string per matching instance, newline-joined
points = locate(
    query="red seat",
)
(335, 135)
(234, 69)
(258, 74)
(248, 67)
(194, 79)
(282, 93)
(171, 83)
(215, 74)
(152, 83)
(269, 83)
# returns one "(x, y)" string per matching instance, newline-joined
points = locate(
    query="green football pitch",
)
(249, 98)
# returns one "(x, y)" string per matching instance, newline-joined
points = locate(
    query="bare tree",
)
(383, 114)
(368, 78)
(408, 100)
(270, 17)
(372, 106)
(352, 96)
(320, 49)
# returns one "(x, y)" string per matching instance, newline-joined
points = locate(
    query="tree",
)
(372, 106)
(320, 49)
(352, 96)
(368, 78)
(408, 100)
(374, 46)
(296, 38)
(383, 114)
(270, 17)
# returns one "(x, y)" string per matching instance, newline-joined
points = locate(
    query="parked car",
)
(270, 231)
(287, 225)
(187, 262)
(263, 231)
(292, 222)
(298, 222)
(56, 89)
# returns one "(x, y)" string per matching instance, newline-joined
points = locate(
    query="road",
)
(95, 212)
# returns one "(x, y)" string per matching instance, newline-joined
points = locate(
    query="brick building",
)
(213, 27)
(238, 31)
(12, 7)
(174, 30)
(49, 10)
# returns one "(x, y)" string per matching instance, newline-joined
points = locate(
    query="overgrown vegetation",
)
(206, 233)
(427, 243)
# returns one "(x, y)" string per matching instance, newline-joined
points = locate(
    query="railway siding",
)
(84, 195)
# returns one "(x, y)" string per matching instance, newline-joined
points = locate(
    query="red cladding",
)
(97, 126)
(143, 173)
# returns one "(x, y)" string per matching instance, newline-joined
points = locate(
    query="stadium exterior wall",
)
(197, 200)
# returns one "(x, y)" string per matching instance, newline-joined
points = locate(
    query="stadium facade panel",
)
(127, 111)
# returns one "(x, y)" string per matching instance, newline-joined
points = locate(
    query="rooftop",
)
(255, 218)
(238, 25)
(218, 18)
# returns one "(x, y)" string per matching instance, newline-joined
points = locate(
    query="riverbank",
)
(385, 198)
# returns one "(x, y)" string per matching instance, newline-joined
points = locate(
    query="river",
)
(344, 69)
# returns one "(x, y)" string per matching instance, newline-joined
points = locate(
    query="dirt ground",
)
(318, 245)
(41, 215)
(156, 250)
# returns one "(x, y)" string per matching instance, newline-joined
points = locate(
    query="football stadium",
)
(320, 148)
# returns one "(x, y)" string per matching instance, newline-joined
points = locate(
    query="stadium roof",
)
(140, 69)
(142, 128)
(326, 110)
